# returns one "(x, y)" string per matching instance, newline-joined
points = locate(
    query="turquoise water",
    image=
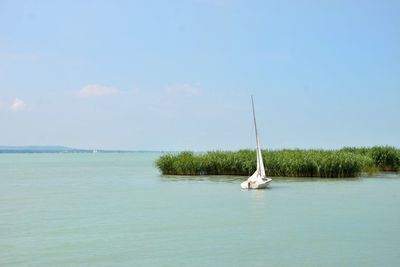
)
(116, 210)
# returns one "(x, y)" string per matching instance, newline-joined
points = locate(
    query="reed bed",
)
(346, 162)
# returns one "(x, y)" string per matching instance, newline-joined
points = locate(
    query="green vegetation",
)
(346, 162)
(384, 158)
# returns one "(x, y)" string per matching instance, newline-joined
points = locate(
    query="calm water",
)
(116, 210)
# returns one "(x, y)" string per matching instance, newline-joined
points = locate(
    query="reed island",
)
(341, 163)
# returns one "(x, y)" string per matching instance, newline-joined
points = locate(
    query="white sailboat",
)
(258, 180)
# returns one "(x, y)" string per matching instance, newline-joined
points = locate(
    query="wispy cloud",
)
(183, 89)
(97, 90)
(18, 105)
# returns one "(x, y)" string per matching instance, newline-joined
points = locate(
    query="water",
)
(116, 210)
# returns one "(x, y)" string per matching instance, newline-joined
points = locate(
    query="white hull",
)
(259, 184)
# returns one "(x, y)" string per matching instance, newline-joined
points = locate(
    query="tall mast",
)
(260, 163)
(256, 132)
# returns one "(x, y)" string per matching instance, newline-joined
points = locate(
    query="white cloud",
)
(18, 105)
(183, 89)
(97, 90)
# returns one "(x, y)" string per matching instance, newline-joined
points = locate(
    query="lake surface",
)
(117, 210)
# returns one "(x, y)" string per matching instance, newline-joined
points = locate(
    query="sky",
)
(178, 75)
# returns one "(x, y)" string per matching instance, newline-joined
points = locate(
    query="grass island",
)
(341, 163)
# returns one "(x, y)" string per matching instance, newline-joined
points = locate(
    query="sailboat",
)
(258, 180)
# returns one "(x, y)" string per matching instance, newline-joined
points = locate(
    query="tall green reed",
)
(346, 162)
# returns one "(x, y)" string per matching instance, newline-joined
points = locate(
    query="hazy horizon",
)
(178, 75)
(99, 149)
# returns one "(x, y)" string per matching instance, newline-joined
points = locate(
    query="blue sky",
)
(173, 75)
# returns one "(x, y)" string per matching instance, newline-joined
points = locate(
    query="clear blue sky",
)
(172, 75)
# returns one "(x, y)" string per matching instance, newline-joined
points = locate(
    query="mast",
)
(260, 163)
(255, 129)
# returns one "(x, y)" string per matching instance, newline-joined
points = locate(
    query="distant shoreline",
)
(77, 152)
(61, 149)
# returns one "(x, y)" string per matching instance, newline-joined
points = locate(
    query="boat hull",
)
(259, 184)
